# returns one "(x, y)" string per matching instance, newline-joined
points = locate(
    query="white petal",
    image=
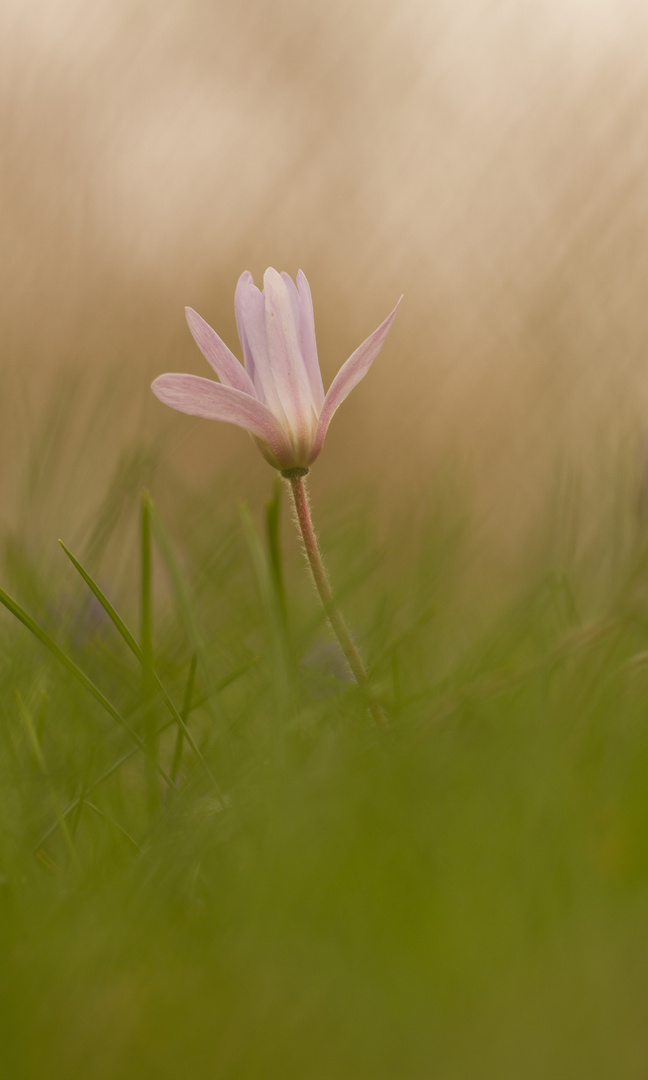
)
(308, 343)
(249, 304)
(349, 375)
(244, 283)
(286, 361)
(227, 367)
(203, 397)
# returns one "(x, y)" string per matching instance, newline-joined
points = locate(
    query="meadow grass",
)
(215, 864)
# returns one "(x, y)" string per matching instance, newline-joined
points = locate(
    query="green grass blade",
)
(260, 565)
(146, 623)
(183, 600)
(32, 735)
(270, 602)
(146, 646)
(115, 824)
(121, 627)
(112, 614)
(273, 536)
(116, 765)
(185, 711)
(68, 663)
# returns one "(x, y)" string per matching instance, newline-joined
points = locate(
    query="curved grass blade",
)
(151, 739)
(112, 614)
(183, 601)
(184, 712)
(116, 765)
(37, 750)
(133, 645)
(68, 663)
(113, 822)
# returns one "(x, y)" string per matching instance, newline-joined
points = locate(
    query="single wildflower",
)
(278, 394)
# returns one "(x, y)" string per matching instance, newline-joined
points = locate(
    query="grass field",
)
(215, 864)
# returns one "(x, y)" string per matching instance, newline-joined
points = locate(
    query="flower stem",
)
(320, 577)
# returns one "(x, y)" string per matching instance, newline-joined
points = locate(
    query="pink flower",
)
(278, 395)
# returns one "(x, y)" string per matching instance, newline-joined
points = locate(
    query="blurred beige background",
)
(485, 157)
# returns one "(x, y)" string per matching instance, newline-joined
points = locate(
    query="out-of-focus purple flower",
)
(278, 395)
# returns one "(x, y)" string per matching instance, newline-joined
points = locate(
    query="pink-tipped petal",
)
(203, 397)
(249, 304)
(227, 367)
(293, 296)
(244, 283)
(349, 375)
(307, 337)
(285, 358)
(305, 327)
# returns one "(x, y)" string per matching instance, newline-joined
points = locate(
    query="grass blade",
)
(116, 765)
(115, 824)
(183, 601)
(185, 711)
(146, 648)
(77, 673)
(37, 750)
(271, 604)
(112, 614)
(136, 650)
(273, 521)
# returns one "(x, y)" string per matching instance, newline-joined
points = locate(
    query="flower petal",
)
(307, 354)
(229, 370)
(349, 375)
(243, 284)
(249, 304)
(307, 338)
(203, 397)
(285, 358)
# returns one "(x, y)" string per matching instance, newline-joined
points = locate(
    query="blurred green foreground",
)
(462, 896)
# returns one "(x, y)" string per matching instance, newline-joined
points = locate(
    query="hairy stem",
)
(320, 577)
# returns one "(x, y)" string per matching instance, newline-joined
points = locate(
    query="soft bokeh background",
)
(487, 159)
(466, 895)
